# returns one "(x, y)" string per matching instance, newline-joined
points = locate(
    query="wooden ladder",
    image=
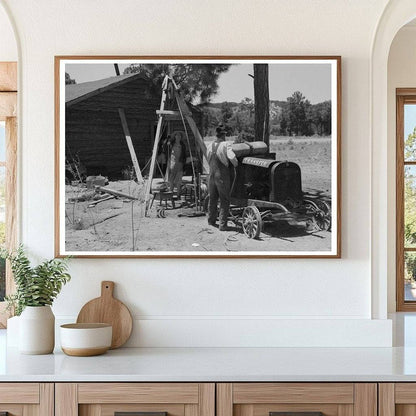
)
(183, 113)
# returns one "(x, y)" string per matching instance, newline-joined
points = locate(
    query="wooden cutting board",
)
(107, 309)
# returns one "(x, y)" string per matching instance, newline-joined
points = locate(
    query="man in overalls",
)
(219, 155)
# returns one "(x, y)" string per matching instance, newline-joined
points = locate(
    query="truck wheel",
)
(252, 222)
(323, 216)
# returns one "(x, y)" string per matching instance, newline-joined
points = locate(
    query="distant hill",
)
(286, 117)
(219, 105)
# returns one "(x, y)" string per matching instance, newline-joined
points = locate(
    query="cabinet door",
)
(143, 399)
(397, 399)
(26, 399)
(297, 399)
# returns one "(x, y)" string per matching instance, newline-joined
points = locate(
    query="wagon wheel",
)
(161, 213)
(252, 222)
(323, 216)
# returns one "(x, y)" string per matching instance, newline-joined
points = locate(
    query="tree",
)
(283, 125)
(410, 146)
(261, 102)
(68, 79)
(297, 109)
(242, 120)
(410, 191)
(226, 112)
(196, 81)
(320, 117)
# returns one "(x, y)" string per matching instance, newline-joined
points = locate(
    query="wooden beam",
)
(8, 105)
(115, 192)
(198, 138)
(155, 145)
(8, 76)
(130, 145)
(168, 113)
(177, 113)
(172, 118)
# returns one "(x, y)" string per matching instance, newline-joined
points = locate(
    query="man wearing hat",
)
(219, 154)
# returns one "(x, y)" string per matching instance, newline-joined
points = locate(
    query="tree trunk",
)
(261, 102)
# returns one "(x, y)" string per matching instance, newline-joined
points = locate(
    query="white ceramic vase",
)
(13, 331)
(37, 330)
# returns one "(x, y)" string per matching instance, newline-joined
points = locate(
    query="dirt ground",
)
(312, 154)
(119, 224)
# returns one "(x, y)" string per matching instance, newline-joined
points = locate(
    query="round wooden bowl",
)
(85, 340)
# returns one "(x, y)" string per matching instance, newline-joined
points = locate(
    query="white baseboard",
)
(253, 332)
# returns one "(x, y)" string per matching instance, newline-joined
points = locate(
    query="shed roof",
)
(75, 93)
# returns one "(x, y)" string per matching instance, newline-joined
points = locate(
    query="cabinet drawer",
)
(152, 399)
(397, 399)
(297, 399)
(22, 399)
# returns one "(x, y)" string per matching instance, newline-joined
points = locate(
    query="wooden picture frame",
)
(8, 115)
(109, 126)
(404, 96)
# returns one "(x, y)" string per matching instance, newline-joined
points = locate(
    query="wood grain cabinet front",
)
(297, 399)
(26, 399)
(141, 399)
(397, 399)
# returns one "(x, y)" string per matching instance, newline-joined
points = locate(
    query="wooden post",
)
(130, 145)
(156, 144)
(261, 102)
(198, 138)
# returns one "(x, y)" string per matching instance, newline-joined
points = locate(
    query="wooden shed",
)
(94, 135)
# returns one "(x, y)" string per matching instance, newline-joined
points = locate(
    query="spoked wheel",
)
(323, 216)
(161, 213)
(252, 222)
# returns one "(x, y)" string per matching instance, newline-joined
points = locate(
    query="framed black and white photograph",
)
(198, 156)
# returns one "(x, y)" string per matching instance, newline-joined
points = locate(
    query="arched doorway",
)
(396, 14)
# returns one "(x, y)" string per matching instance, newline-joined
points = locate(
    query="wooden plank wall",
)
(95, 135)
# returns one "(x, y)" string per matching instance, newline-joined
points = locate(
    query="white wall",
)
(8, 47)
(179, 302)
(401, 74)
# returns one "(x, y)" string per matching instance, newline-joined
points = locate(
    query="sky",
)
(313, 80)
(409, 119)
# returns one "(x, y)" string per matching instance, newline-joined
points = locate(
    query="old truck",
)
(268, 190)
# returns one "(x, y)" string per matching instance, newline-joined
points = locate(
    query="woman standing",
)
(176, 162)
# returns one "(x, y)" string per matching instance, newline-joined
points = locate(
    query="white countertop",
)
(213, 364)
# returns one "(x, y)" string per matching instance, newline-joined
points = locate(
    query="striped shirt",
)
(224, 152)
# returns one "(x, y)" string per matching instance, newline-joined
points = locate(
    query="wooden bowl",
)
(84, 340)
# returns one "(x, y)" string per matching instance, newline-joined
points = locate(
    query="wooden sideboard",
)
(208, 399)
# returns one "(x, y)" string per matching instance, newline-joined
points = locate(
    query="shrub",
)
(35, 286)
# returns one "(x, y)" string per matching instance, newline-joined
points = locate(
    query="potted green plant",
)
(36, 289)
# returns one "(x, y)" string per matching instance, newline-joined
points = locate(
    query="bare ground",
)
(119, 225)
